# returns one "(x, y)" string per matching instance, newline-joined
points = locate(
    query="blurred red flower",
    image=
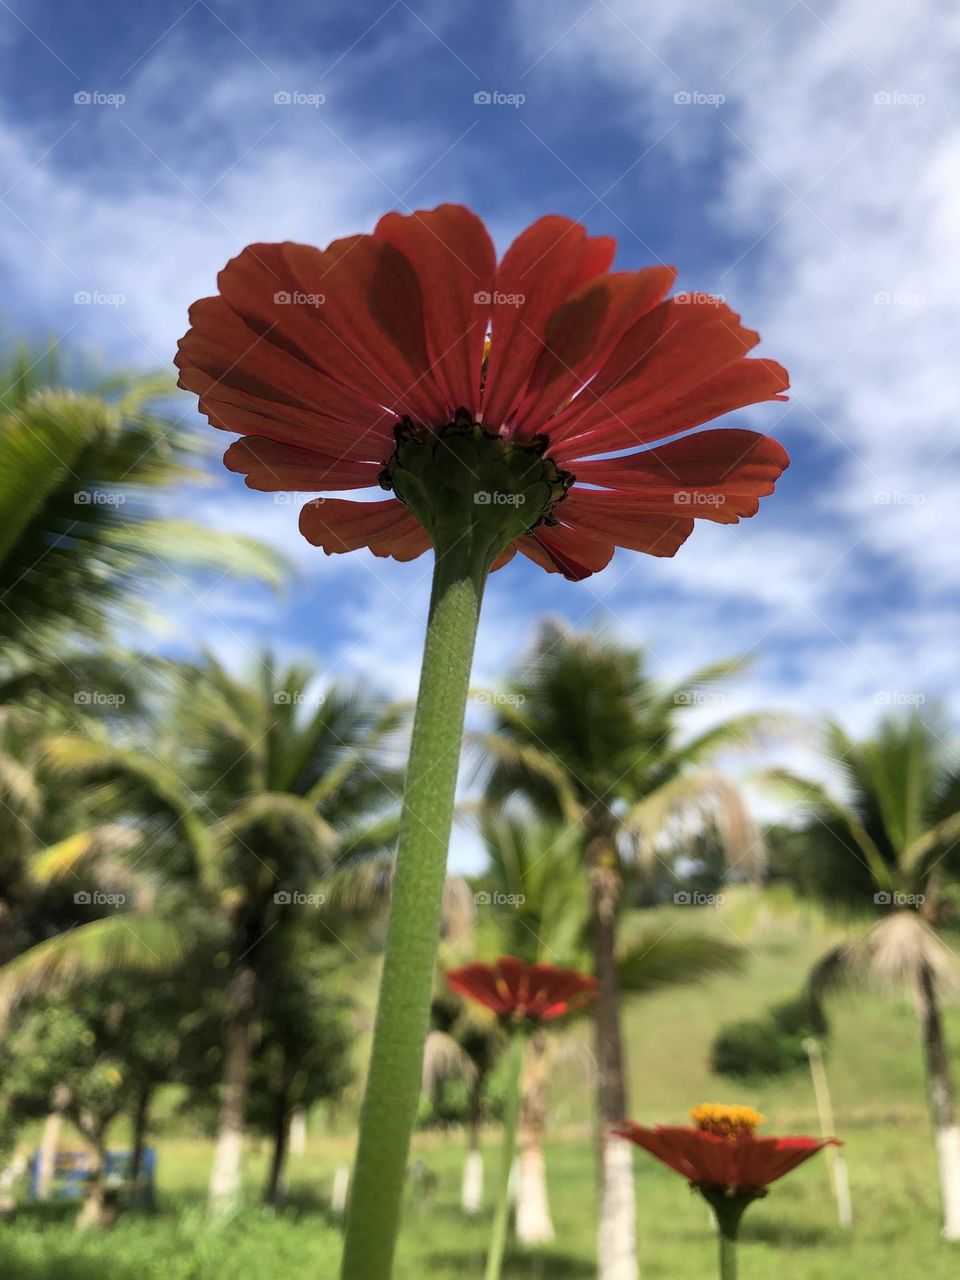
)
(535, 992)
(722, 1152)
(325, 360)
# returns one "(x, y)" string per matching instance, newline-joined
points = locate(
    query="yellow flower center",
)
(726, 1122)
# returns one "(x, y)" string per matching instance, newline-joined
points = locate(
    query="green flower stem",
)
(728, 1208)
(501, 1212)
(393, 1082)
(728, 1257)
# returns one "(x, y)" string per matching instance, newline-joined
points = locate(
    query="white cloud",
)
(840, 173)
(152, 214)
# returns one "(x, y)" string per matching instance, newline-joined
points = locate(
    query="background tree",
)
(882, 845)
(66, 1050)
(259, 787)
(305, 1042)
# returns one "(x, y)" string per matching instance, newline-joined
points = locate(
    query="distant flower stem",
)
(501, 1211)
(728, 1210)
(728, 1257)
(393, 1082)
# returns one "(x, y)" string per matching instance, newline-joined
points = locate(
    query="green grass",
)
(876, 1075)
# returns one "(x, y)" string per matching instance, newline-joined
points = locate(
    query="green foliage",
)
(305, 1033)
(79, 527)
(887, 823)
(771, 1045)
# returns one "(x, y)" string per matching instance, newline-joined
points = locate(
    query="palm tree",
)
(463, 1046)
(585, 735)
(883, 843)
(79, 534)
(47, 942)
(260, 787)
(535, 905)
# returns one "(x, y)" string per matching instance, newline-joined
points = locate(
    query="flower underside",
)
(464, 482)
(313, 356)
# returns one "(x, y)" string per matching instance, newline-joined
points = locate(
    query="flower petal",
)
(269, 466)
(338, 525)
(661, 359)
(248, 384)
(354, 310)
(572, 552)
(743, 383)
(582, 333)
(480, 982)
(609, 515)
(543, 267)
(716, 475)
(455, 263)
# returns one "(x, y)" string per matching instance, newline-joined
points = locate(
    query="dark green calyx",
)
(465, 483)
(729, 1205)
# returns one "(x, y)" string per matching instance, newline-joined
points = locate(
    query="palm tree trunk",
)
(616, 1229)
(47, 1156)
(275, 1190)
(471, 1188)
(534, 1224)
(943, 1109)
(298, 1131)
(98, 1211)
(141, 1120)
(224, 1194)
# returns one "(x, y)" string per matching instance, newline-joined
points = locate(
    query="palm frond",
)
(897, 949)
(444, 1059)
(87, 952)
(661, 958)
(703, 798)
(739, 733)
(807, 794)
(67, 856)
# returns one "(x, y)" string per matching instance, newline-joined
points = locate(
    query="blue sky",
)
(802, 159)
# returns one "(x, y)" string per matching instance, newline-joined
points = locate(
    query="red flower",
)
(511, 988)
(723, 1151)
(319, 357)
